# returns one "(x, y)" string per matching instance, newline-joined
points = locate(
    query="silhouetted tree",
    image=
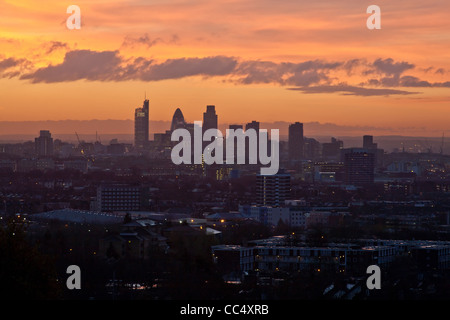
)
(25, 273)
(127, 218)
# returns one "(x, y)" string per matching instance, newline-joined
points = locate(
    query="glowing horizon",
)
(254, 60)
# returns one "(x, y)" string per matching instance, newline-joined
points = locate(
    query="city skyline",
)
(306, 61)
(221, 156)
(142, 132)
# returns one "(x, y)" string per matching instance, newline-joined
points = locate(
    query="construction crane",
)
(428, 146)
(441, 149)
(82, 148)
(80, 144)
(78, 138)
(97, 137)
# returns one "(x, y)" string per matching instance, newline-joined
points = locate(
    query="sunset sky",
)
(265, 60)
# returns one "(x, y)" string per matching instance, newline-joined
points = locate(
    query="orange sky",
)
(266, 60)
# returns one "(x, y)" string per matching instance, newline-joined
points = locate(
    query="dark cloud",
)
(316, 73)
(262, 72)
(311, 72)
(384, 82)
(406, 81)
(56, 45)
(110, 66)
(144, 40)
(307, 78)
(442, 84)
(9, 63)
(410, 81)
(316, 64)
(352, 64)
(440, 71)
(80, 64)
(313, 76)
(298, 74)
(391, 68)
(352, 90)
(11, 67)
(132, 68)
(186, 67)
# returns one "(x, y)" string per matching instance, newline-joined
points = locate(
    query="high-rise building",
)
(311, 148)
(359, 166)
(273, 190)
(295, 143)
(177, 120)
(235, 126)
(373, 147)
(254, 157)
(368, 142)
(44, 144)
(210, 118)
(252, 125)
(233, 158)
(332, 150)
(209, 122)
(141, 123)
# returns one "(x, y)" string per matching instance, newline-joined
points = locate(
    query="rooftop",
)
(78, 216)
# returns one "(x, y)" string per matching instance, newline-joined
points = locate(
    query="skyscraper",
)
(235, 126)
(253, 125)
(141, 122)
(249, 158)
(177, 120)
(368, 142)
(210, 118)
(209, 121)
(373, 147)
(295, 143)
(359, 166)
(234, 158)
(44, 144)
(332, 150)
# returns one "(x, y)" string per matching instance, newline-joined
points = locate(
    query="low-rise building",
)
(131, 244)
(282, 254)
(432, 256)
